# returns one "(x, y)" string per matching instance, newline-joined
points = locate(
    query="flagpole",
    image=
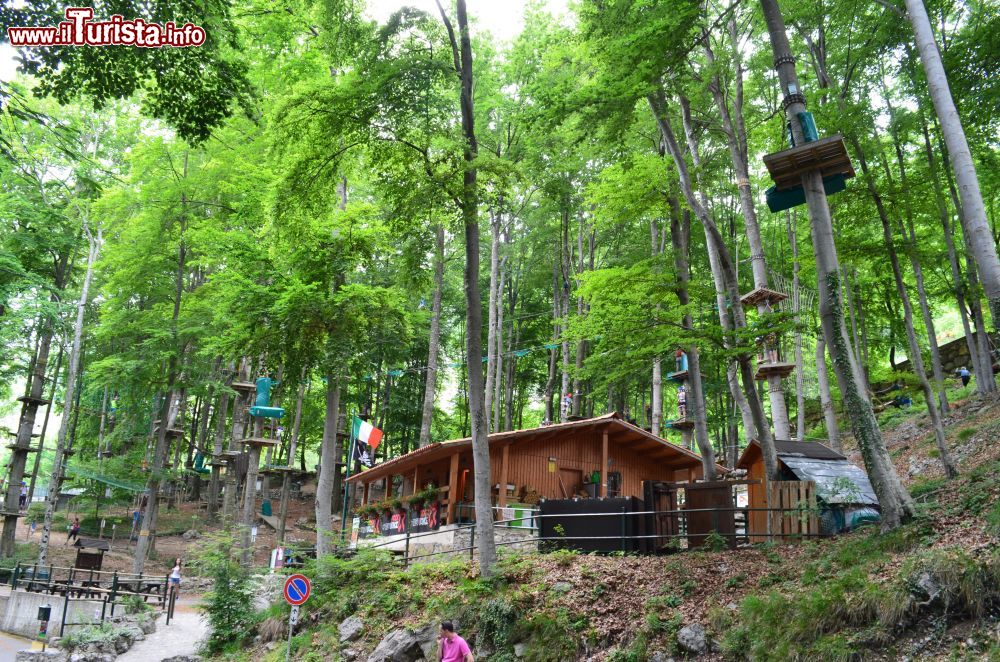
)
(347, 485)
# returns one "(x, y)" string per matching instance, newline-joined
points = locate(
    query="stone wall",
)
(21, 615)
(954, 355)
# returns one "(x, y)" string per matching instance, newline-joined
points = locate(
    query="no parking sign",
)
(297, 590)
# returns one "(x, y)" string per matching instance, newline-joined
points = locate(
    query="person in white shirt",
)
(175, 578)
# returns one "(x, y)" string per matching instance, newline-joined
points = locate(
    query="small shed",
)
(843, 493)
(90, 553)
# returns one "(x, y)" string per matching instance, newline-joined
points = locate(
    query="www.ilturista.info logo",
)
(80, 30)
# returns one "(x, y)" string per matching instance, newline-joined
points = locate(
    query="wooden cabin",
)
(811, 474)
(557, 461)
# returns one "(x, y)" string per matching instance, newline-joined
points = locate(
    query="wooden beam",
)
(452, 488)
(502, 496)
(364, 496)
(416, 479)
(604, 463)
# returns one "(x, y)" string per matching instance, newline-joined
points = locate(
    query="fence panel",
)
(793, 505)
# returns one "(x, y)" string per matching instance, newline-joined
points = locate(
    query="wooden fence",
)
(796, 504)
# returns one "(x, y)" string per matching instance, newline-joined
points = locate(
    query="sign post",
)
(297, 591)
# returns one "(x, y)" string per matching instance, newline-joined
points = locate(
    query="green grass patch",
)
(841, 607)
(924, 486)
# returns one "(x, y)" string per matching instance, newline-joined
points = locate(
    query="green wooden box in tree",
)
(795, 196)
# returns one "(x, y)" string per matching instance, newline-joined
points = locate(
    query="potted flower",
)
(429, 494)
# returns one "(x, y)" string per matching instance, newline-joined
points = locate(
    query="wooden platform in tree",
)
(11, 513)
(680, 424)
(26, 449)
(260, 441)
(765, 370)
(828, 155)
(176, 432)
(761, 295)
(227, 456)
(27, 399)
(243, 386)
(678, 376)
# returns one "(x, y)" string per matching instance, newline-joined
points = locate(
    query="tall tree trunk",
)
(147, 532)
(910, 243)
(25, 428)
(249, 514)
(825, 399)
(513, 340)
(328, 469)
(916, 359)
(716, 246)
(680, 239)
(45, 424)
(736, 139)
(462, 56)
(236, 436)
(491, 325)
(656, 415)
(434, 344)
(290, 459)
(100, 427)
(551, 382)
(581, 345)
(58, 463)
(498, 351)
(958, 283)
(564, 388)
(800, 391)
(894, 500)
(858, 356)
(982, 244)
(221, 411)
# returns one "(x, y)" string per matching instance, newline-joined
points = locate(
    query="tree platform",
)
(765, 370)
(260, 441)
(680, 424)
(27, 399)
(828, 155)
(762, 294)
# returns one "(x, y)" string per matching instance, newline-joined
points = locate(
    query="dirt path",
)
(181, 637)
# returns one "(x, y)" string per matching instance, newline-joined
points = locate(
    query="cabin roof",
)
(810, 449)
(837, 480)
(92, 543)
(620, 431)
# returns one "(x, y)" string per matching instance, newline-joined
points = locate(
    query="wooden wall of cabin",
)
(577, 453)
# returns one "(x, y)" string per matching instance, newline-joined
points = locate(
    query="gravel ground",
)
(181, 637)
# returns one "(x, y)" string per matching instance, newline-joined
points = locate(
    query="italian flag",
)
(366, 432)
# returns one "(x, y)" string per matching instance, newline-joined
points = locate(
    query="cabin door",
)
(661, 502)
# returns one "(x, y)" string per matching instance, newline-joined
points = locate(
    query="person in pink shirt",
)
(453, 648)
